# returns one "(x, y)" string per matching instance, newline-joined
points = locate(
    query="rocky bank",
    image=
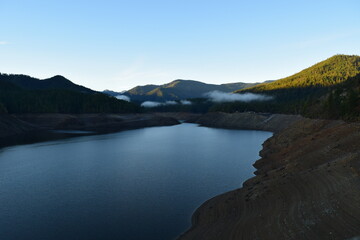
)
(307, 183)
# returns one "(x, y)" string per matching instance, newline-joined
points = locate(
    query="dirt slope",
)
(247, 120)
(307, 187)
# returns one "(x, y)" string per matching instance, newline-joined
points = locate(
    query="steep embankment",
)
(307, 184)
(14, 131)
(11, 126)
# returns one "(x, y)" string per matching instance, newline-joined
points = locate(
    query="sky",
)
(117, 45)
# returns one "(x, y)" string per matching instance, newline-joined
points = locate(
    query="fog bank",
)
(218, 96)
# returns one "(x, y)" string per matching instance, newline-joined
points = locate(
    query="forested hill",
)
(329, 89)
(24, 94)
(56, 82)
(59, 82)
(180, 89)
(332, 71)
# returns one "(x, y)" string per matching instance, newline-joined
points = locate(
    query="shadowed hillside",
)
(24, 94)
(56, 82)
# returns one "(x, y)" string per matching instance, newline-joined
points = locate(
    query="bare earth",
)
(29, 128)
(307, 184)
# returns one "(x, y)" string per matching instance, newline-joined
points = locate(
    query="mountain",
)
(329, 72)
(142, 90)
(180, 89)
(24, 94)
(56, 82)
(328, 89)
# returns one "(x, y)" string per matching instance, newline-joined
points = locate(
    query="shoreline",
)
(16, 129)
(306, 184)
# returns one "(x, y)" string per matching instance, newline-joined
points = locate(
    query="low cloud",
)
(185, 102)
(151, 104)
(123, 97)
(217, 96)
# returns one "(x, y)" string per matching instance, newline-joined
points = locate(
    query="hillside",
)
(30, 83)
(332, 71)
(180, 89)
(329, 89)
(24, 94)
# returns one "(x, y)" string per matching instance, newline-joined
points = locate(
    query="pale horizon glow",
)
(118, 45)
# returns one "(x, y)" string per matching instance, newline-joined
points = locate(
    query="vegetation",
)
(55, 96)
(342, 101)
(180, 89)
(30, 83)
(329, 89)
(330, 72)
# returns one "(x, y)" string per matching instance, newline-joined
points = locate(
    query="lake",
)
(137, 184)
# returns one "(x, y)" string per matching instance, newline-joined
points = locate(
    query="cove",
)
(138, 184)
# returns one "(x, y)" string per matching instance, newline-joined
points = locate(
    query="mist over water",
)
(150, 104)
(139, 184)
(123, 97)
(218, 96)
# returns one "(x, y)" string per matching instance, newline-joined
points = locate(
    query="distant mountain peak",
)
(178, 89)
(58, 77)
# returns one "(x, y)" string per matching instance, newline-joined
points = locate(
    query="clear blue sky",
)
(120, 44)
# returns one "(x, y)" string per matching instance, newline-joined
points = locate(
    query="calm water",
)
(139, 184)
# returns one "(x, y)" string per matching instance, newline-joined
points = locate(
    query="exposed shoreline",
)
(30, 128)
(307, 183)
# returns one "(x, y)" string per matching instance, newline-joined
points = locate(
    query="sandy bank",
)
(307, 184)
